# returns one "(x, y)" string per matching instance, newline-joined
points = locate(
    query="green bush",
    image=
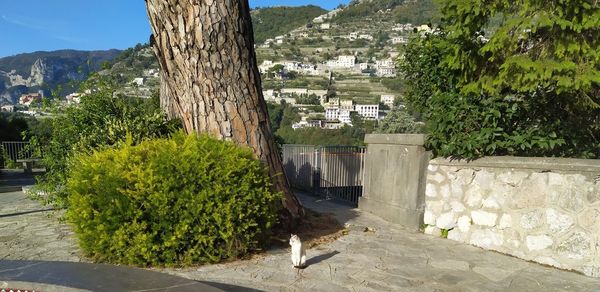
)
(101, 120)
(188, 199)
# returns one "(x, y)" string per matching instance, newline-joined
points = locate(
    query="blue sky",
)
(46, 25)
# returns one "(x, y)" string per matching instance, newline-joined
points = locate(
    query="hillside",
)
(400, 11)
(31, 72)
(275, 21)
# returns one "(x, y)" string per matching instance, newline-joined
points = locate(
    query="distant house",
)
(7, 108)
(368, 111)
(139, 81)
(28, 99)
(388, 99)
(399, 40)
(385, 68)
(73, 98)
(305, 123)
(343, 62)
(325, 26)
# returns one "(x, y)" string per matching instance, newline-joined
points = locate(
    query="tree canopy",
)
(531, 89)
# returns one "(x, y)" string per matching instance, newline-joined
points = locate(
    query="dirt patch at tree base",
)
(315, 229)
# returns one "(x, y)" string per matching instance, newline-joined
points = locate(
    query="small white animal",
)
(298, 252)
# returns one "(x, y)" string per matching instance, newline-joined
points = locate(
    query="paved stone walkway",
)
(390, 259)
(29, 231)
(385, 258)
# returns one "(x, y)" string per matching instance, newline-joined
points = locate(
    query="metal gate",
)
(13, 151)
(329, 171)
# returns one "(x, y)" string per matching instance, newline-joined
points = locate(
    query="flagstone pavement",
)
(373, 256)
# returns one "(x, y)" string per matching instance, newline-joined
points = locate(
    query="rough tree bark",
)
(210, 79)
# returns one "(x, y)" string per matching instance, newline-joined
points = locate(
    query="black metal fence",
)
(330, 171)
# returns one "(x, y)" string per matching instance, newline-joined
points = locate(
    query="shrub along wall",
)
(541, 209)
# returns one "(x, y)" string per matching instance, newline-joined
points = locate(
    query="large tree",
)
(506, 77)
(210, 79)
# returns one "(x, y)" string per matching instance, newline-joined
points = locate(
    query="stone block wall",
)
(394, 178)
(542, 209)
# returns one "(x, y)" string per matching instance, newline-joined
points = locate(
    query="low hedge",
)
(179, 201)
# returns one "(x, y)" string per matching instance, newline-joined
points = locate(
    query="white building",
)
(388, 99)
(7, 108)
(269, 94)
(139, 81)
(325, 26)
(341, 111)
(399, 40)
(366, 37)
(73, 98)
(385, 68)
(343, 62)
(368, 111)
(384, 63)
(386, 72)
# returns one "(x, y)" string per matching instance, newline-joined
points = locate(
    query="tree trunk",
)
(211, 80)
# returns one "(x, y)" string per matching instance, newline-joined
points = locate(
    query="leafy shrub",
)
(99, 121)
(530, 89)
(398, 121)
(183, 200)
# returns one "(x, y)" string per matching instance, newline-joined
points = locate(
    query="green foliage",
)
(417, 12)
(12, 125)
(357, 10)
(395, 84)
(100, 121)
(307, 99)
(282, 117)
(275, 21)
(398, 121)
(533, 89)
(346, 136)
(179, 201)
(444, 232)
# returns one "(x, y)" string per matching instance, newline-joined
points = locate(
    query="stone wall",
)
(542, 209)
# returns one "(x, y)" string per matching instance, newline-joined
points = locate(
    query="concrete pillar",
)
(394, 178)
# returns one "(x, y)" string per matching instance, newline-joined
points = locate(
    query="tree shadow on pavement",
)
(320, 258)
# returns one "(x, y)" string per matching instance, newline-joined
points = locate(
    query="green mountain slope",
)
(274, 21)
(30, 72)
(68, 59)
(402, 11)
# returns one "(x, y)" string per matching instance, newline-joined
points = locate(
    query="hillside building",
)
(367, 111)
(388, 99)
(7, 108)
(343, 61)
(28, 99)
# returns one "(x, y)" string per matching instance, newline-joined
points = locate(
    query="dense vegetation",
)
(417, 12)
(357, 10)
(275, 21)
(178, 201)
(402, 11)
(100, 121)
(282, 117)
(533, 89)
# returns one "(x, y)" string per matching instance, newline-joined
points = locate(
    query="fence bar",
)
(15, 150)
(329, 171)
